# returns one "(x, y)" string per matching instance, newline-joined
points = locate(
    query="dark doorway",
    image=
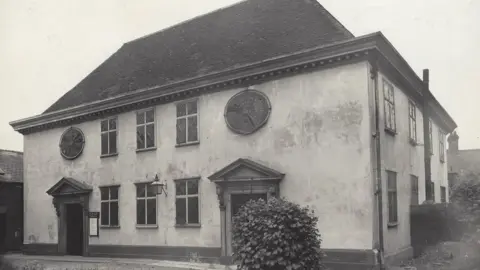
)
(238, 200)
(74, 229)
(3, 232)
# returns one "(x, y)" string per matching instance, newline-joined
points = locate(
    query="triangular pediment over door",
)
(245, 170)
(69, 186)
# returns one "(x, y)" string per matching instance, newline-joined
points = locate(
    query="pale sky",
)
(48, 46)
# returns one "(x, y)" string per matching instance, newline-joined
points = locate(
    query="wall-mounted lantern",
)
(158, 187)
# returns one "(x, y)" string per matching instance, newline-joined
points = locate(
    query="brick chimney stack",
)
(453, 142)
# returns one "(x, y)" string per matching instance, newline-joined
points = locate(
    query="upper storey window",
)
(146, 129)
(108, 129)
(187, 122)
(412, 124)
(389, 106)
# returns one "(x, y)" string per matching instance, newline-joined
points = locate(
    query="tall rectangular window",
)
(187, 122)
(414, 190)
(392, 198)
(187, 202)
(443, 194)
(389, 106)
(433, 190)
(146, 204)
(412, 116)
(441, 146)
(109, 206)
(108, 129)
(146, 129)
(430, 135)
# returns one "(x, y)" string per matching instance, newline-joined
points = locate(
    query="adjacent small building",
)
(11, 200)
(260, 99)
(461, 163)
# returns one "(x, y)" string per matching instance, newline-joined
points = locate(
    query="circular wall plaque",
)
(247, 111)
(72, 143)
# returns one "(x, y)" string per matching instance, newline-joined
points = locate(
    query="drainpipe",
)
(378, 165)
(426, 135)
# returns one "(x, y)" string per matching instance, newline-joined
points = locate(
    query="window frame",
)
(186, 116)
(430, 135)
(186, 196)
(443, 194)
(144, 125)
(441, 146)
(392, 192)
(109, 201)
(412, 122)
(390, 123)
(145, 199)
(108, 131)
(414, 189)
(432, 189)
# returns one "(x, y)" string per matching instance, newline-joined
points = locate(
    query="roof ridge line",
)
(186, 21)
(334, 19)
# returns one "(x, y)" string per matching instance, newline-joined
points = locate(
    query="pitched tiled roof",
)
(245, 33)
(11, 162)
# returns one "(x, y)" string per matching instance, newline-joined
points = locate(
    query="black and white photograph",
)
(239, 135)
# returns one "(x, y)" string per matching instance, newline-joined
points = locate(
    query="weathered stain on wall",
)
(317, 130)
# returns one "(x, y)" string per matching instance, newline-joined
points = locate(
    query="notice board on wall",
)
(93, 218)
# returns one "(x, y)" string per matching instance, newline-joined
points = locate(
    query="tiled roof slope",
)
(244, 33)
(11, 162)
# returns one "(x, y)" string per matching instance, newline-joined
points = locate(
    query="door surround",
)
(242, 176)
(70, 191)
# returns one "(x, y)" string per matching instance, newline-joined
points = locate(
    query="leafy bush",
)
(276, 235)
(465, 200)
(5, 265)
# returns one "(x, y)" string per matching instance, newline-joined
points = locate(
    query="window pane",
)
(104, 213)
(395, 208)
(150, 191)
(141, 137)
(113, 193)
(150, 116)
(140, 118)
(193, 210)
(192, 107)
(103, 193)
(192, 187)
(112, 140)
(152, 211)
(181, 215)
(181, 129)
(392, 115)
(181, 109)
(150, 135)
(114, 213)
(112, 124)
(141, 190)
(387, 115)
(104, 125)
(392, 181)
(104, 143)
(140, 211)
(180, 188)
(192, 129)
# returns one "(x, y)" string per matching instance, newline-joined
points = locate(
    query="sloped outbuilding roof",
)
(11, 164)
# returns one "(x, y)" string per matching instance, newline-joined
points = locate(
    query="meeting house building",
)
(154, 151)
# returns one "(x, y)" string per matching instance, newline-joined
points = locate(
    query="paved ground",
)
(90, 263)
